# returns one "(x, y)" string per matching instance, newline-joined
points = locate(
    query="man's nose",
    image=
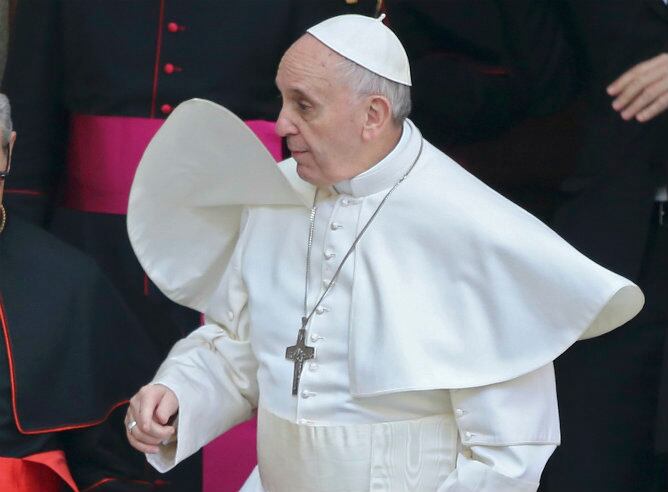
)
(284, 126)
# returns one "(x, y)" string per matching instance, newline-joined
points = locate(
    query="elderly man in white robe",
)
(391, 319)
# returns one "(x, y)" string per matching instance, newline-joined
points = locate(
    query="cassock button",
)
(315, 337)
(168, 68)
(166, 108)
(313, 367)
(459, 412)
(335, 226)
(308, 394)
(172, 27)
(345, 202)
(468, 435)
(329, 254)
(321, 310)
(230, 315)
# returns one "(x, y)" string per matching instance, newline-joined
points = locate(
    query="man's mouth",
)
(295, 150)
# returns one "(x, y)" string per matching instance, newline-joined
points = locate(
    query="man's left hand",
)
(642, 91)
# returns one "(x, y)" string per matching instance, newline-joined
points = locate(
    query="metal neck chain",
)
(307, 318)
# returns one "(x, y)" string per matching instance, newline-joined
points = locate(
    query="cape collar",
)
(388, 170)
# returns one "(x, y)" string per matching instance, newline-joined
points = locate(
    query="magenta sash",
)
(103, 155)
(104, 152)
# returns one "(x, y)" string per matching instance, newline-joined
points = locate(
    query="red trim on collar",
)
(99, 483)
(12, 382)
(156, 68)
(20, 191)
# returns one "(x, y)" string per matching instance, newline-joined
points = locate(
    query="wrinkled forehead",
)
(308, 62)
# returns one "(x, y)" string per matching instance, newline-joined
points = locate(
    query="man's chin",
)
(303, 171)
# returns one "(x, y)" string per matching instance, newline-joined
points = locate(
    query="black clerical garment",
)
(140, 59)
(609, 388)
(65, 369)
(72, 64)
(75, 63)
(479, 67)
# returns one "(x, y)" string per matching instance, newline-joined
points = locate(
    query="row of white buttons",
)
(329, 254)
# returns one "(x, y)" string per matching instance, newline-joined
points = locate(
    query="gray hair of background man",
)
(365, 83)
(5, 119)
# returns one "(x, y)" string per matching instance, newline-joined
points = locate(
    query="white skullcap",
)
(367, 42)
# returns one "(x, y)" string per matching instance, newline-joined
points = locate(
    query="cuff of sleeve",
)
(169, 454)
(474, 476)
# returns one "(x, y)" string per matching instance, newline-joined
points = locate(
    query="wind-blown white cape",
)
(454, 285)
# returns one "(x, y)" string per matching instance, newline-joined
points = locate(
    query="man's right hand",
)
(642, 91)
(152, 408)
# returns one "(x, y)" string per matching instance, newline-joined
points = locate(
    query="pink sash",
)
(103, 155)
(104, 152)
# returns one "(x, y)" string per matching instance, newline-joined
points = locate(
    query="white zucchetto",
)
(367, 42)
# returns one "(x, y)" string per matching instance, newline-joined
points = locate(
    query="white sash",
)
(404, 455)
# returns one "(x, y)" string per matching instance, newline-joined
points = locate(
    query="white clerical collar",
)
(389, 170)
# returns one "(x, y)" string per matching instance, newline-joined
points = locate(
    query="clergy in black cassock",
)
(65, 368)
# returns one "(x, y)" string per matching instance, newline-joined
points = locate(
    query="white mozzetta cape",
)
(454, 286)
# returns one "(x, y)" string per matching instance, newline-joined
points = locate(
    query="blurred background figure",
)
(596, 171)
(479, 68)
(91, 82)
(489, 76)
(65, 371)
(611, 208)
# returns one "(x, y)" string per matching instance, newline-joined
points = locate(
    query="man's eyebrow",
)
(299, 93)
(295, 89)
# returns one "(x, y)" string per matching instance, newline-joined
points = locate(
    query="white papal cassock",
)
(434, 348)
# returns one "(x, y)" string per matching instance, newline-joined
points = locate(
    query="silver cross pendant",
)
(299, 353)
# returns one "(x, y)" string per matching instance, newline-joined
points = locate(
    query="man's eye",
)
(303, 106)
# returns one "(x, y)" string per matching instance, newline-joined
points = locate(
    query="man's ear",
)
(378, 116)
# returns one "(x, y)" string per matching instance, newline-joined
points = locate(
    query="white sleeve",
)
(213, 373)
(508, 432)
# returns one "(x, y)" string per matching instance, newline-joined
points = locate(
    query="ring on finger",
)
(131, 425)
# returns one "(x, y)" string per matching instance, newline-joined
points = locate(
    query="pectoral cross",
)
(299, 353)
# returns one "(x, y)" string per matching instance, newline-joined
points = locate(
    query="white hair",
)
(5, 119)
(365, 82)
